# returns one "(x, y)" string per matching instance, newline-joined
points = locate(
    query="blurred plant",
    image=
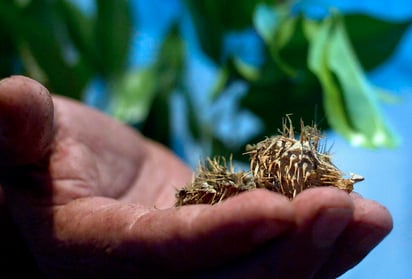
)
(62, 47)
(311, 67)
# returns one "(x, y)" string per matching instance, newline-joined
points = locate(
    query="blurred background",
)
(207, 77)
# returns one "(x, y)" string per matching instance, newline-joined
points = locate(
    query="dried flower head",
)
(288, 165)
(281, 163)
(214, 182)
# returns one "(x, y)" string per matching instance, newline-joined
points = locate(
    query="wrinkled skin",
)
(83, 195)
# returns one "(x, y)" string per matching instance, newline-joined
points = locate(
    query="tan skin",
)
(83, 195)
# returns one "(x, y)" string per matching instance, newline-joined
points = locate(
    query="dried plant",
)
(280, 163)
(214, 182)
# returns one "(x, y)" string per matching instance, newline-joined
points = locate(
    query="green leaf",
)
(272, 101)
(350, 101)
(113, 35)
(7, 53)
(168, 78)
(81, 31)
(277, 27)
(133, 96)
(222, 78)
(275, 24)
(234, 69)
(247, 71)
(374, 40)
(266, 22)
(170, 63)
(35, 32)
(212, 19)
(157, 124)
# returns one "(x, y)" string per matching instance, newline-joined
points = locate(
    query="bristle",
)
(214, 182)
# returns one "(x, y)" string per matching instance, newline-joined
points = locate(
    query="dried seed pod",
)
(213, 183)
(288, 165)
(280, 163)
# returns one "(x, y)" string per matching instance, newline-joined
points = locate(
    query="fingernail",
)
(329, 225)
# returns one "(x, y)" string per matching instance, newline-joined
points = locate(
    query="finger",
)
(321, 216)
(228, 230)
(100, 236)
(371, 224)
(26, 121)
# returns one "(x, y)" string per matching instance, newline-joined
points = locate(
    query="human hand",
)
(91, 197)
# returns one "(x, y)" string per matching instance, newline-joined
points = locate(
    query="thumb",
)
(26, 121)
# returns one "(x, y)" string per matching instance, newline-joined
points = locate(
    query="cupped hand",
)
(83, 195)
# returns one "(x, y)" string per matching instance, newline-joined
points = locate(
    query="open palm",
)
(91, 197)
